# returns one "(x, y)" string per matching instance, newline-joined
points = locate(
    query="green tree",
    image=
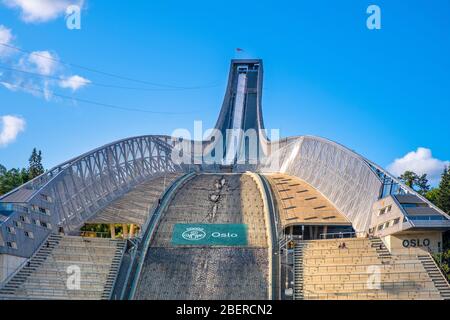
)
(422, 184)
(13, 178)
(432, 195)
(35, 167)
(443, 258)
(409, 178)
(416, 182)
(443, 196)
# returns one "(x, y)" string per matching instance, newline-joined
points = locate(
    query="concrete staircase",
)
(382, 251)
(298, 272)
(33, 264)
(114, 270)
(49, 272)
(436, 275)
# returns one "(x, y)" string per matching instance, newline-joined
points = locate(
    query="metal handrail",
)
(133, 253)
(117, 274)
(85, 234)
(439, 268)
(341, 235)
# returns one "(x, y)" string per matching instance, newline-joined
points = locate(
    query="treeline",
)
(13, 178)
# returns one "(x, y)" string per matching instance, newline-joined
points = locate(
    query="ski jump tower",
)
(240, 120)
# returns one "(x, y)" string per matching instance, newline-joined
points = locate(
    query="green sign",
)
(200, 234)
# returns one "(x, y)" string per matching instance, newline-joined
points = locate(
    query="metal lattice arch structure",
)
(350, 181)
(71, 193)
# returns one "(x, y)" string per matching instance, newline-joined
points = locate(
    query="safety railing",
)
(91, 234)
(99, 258)
(339, 235)
(116, 274)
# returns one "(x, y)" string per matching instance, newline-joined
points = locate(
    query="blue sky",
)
(383, 93)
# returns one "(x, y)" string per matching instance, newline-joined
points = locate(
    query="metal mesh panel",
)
(339, 174)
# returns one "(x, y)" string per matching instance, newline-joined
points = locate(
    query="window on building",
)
(18, 224)
(29, 234)
(11, 230)
(46, 225)
(11, 244)
(409, 205)
(47, 198)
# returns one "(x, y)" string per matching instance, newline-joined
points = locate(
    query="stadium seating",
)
(134, 206)
(47, 275)
(298, 202)
(325, 271)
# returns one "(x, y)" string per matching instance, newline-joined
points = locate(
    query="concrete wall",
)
(414, 242)
(9, 264)
(393, 213)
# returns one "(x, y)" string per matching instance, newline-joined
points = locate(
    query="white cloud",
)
(45, 71)
(74, 82)
(420, 161)
(10, 127)
(38, 73)
(6, 37)
(41, 10)
(43, 62)
(39, 62)
(8, 86)
(48, 93)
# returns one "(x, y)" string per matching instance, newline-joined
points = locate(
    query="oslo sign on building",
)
(209, 234)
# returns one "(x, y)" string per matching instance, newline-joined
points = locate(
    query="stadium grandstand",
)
(246, 217)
